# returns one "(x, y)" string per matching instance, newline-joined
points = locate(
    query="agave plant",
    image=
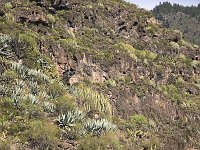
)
(44, 64)
(44, 95)
(32, 99)
(30, 74)
(3, 90)
(68, 119)
(34, 87)
(16, 92)
(5, 48)
(97, 127)
(20, 69)
(49, 107)
(73, 91)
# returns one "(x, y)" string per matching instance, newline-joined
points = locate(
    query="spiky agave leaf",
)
(49, 107)
(98, 127)
(5, 48)
(68, 119)
(30, 74)
(34, 87)
(32, 98)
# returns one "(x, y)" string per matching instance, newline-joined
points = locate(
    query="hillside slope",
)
(185, 19)
(95, 74)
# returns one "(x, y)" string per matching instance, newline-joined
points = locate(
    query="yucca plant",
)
(98, 127)
(68, 119)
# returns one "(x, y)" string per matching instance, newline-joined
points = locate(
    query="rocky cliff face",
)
(115, 61)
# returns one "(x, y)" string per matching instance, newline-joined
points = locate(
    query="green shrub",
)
(65, 103)
(6, 106)
(111, 83)
(31, 111)
(104, 142)
(51, 19)
(172, 92)
(127, 48)
(10, 75)
(138, 121)
(25, 46)
(9, 17)
(55, 90)
(41, 134)
(8, 5)
(4, 143)
(16, 126)
(69, 44)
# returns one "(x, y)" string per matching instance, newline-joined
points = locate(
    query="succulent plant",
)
(68, 119)
(30, 74)
(5, 48)
(44, 64)
(92, 99)
(3, 90)
(32, 99)
(98, 127)
(34, 87)
(16, 92)
(49, 107)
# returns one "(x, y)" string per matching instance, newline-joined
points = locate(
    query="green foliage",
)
(107, 141)
(111, 83)
(51, 19)
(146, 55)
(17, 126)
(9, 17)
(69, 44)
(4, 143)
(55, 90)
(135, 54)
(43, 133)
(8, 5)
(128, 48)
(25, 45)
(32, 95)
(10, 75)
(171, 92)
(138, 121)
(175, 45)
(65, 103)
